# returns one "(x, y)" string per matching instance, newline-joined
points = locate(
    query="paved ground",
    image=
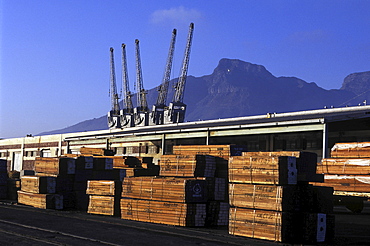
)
(23, 225)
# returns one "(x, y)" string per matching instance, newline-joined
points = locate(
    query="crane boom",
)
(180, 86)
(114, 114)
(127, 100)
(162, 96)
(142, 103)
(176, 109)
(157, 115)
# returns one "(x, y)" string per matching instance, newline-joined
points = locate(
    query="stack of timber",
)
(166, 200)
(187, 165)
(95, 151)
(348, 169)
(104, 197)
(39, 192)
(3, 179)
(269, 202)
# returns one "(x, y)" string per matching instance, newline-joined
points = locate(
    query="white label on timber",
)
(362, 179)
(292, 170)
(321, 227)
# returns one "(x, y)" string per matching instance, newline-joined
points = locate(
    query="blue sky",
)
(55, 53)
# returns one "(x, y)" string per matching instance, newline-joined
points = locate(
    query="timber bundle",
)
(271, 199)
(263, 195)
(348, 169)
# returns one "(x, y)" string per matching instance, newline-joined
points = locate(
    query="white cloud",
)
(178, 15)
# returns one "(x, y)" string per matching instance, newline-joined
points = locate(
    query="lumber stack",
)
(174, 189)
(348, 169)
(104, 197)
(164, 212)
(86, 151)
(269, 202)
(187, 165)
(223, 151)
(55, 165)
(3, 179)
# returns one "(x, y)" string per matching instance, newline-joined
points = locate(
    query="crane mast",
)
(157, 115)
(176, 111)
(141, 111)
(128, 109)
(114, 113)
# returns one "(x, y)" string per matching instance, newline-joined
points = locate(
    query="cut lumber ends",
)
(187, 190)
(102, 163)
(35, 184)
(55, 165)
(104, 205)
(223, 151)
(187, 165)
(281, 226)
(44, 201)
(104, 188)
(217, 213)
(279, 170)
(84, 163)
(164, 212)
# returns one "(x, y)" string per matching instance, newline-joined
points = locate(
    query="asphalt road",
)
(23, 225)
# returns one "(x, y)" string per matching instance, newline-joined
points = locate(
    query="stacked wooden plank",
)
(164, 212)
(96, 151)
(269, 202)
(223, 151)
(3, 179)
(104, 197)
(46, 188)
(187, 165)
(348, 169)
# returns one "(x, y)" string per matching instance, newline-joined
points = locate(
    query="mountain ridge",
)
(238, 88)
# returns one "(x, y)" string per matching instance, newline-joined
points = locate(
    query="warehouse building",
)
(314, 130)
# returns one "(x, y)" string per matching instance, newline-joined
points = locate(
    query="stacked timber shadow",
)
(262, 195)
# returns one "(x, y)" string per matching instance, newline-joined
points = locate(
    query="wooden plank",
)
(104, 205)
(35, 184)
(44, 201)
(95, 151)
(263, 170)
(281, 226)
(55, 165)
(165, 189)
(348, 183)
(223, 151)
(187, 165)
(104, 187)
(351, 150)
(344, 166)
(162, 212)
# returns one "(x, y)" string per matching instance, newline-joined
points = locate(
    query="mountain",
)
(238, 88)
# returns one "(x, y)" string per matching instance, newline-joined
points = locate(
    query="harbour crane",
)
(141, 112)
(157, 114)
(114, 119)
(127, 113)
(176, 109)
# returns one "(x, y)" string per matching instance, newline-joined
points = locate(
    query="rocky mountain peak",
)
(357, 83)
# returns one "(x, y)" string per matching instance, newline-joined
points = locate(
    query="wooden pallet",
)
(263, 170)
(162, 212)
(44, 201)
(281, 226)
(165, 189)
(187, 165)
(104, 205)
(104, 187)
(55, 165)
(223, 151)
(344, 166)
(35, 184)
